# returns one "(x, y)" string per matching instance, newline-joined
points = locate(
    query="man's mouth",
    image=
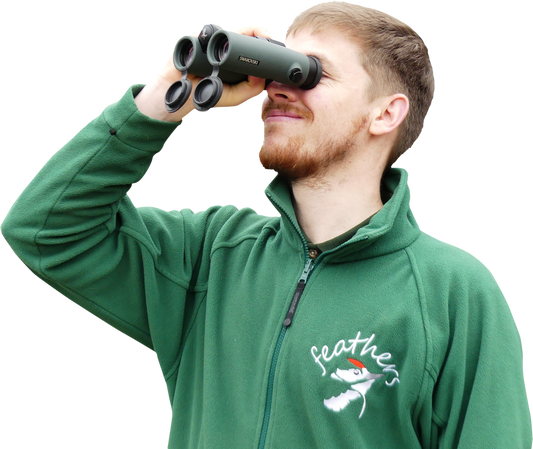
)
(279, 116)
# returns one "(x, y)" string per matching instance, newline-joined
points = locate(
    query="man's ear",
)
(390, 113)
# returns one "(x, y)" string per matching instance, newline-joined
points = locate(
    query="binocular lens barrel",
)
(188, 55)
(263, 58)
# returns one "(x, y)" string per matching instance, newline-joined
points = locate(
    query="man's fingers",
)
(257, 30)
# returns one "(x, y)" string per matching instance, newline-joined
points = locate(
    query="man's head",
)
(394, 60)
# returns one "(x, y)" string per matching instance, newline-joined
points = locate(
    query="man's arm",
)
(75, 227)
(68, 225)
(474, 394)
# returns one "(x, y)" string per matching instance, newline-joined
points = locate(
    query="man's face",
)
(306, 131)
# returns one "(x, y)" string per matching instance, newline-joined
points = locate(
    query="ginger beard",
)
(296, 158)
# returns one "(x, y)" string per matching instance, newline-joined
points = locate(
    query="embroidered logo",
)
(359, 379)
(354, 378)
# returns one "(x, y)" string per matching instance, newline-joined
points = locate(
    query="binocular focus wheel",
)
(207, 93)
(178, 94)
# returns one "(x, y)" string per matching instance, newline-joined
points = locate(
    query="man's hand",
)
(151, 100)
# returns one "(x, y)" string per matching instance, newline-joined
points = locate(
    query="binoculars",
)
(220, 56)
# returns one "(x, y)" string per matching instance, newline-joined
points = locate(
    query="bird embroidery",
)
(360, 380)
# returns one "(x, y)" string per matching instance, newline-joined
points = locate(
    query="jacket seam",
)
(172, 278)
(177, 362)
(427, 331)
(233, 243)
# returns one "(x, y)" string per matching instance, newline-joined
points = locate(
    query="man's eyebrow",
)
(326, 63)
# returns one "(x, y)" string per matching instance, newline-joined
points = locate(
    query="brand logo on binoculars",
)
(249, 60)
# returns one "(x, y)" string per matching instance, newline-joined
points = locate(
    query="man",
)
(337, 324)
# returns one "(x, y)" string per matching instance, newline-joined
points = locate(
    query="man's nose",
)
(280, 93)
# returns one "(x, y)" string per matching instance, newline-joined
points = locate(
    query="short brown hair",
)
(394, 56)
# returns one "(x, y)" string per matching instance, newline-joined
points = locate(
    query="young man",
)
(337, 324)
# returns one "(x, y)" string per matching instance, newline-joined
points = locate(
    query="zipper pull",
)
(309, 265)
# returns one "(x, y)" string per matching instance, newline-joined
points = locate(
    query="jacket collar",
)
(391, 229)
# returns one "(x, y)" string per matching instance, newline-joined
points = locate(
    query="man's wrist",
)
(150, 101)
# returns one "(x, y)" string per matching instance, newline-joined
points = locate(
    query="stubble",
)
(298, 160)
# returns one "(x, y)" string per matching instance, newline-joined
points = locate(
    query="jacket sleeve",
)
(477, 395)
(75, 227)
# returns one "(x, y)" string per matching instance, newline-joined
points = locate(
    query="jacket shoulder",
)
(441, 259)
(453, 284)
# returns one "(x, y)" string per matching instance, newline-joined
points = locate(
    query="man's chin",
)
(288, 159)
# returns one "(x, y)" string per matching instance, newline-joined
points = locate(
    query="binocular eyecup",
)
(220, 56)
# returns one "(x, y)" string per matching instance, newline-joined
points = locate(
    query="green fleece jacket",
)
(391, 340)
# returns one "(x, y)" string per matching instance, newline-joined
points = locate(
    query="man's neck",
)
(338, 201)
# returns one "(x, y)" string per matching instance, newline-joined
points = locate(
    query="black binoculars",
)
(220, 56)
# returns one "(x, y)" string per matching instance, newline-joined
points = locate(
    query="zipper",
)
(309, 265)
(298, 293)
(308, 268)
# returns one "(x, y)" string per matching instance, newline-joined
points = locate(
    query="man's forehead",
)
(323, 44)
